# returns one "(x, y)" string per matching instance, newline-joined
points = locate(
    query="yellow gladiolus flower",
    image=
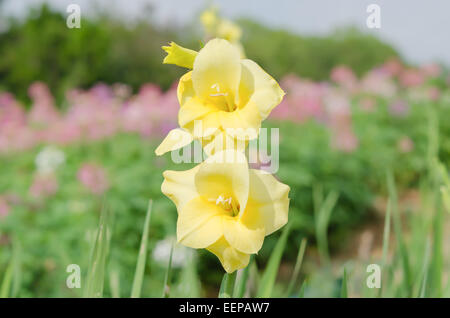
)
(230, 96)
(226, 207)
(219, 27)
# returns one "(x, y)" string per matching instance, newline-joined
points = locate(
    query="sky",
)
(418, 29)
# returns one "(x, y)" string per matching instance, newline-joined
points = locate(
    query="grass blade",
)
(386, 237)
(166, 287)
(344, 289)
(11, 280)
(97, 263)
(424, 272)
(398, 233)
(241, 281)
(140, 265)
(7, 279)
(227, 285)
(301, 293)
(268, 279)
(114, 283)
(322, 219)
(298, 265)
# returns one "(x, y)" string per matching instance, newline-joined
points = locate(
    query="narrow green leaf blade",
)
(227, 285)
(268, 279)
(140, 265)
(298, 265)
(97, 263)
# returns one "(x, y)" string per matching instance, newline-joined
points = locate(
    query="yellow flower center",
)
(228, 204)
(221, 99)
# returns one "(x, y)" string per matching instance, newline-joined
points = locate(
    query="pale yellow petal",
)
(179, 186)
(230, 258)
(245, 234)
(179, 55)
(185, 89)
(262, 89)
(270, 198)
(224, 174)
(192, 109)
(199, 223)
(175, 139)
(244, 123)
(222, 141)
(217, 70)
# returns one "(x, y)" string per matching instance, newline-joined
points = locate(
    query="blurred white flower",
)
(49, 159)
(180, 255)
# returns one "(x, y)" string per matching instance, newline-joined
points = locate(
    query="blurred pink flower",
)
(344, 140)
(392, 67)
(378, 82)
(4, 208)
(43, 110)
(411, 78)
(344, 76)
(367, 104)
(405, 145)
(431, 70)
(44, 185)
(93, 177)
(302, 102)
(399, 108)
(434, 93)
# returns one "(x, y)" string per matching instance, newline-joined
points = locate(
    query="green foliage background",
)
(109, 50)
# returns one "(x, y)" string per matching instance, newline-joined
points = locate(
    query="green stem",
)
(226, 288)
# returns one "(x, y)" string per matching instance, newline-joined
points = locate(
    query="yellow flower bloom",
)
(209, 20)
(230, 96)
(229, 30)
(226, 207)
(219, 27)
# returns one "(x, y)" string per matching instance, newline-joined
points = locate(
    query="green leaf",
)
(298, 264)
(322, 219)
(97, 263)
(398, 233)
(114, 283)
(424, 272)
(166, 287)
(268, 278)
(227, 285)
(344, 291)
(241, 280)
(140, 265)
(11, 280)
(301, 293)
(386, 235)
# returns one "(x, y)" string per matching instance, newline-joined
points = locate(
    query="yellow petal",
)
(179, 186)
(229, 30)
(244, 123)
(230, 258)
(192, 109)
(179, 55)
(185, 89)
(221, 141)
(199, 223)
(224, 174)
(269, 197)
(175, 139)
(217, 70)
(245, 234)
(264, 91)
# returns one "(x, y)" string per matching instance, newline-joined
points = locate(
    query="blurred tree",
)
(110, 50)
